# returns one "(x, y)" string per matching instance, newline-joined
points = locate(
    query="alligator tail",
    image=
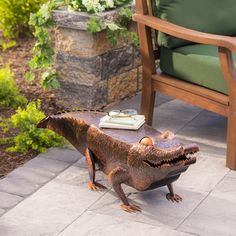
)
(77, 109)
(74, 130)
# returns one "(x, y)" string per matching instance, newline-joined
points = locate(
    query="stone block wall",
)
(92, 72)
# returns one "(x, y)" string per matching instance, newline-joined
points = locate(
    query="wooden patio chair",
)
(195, 54)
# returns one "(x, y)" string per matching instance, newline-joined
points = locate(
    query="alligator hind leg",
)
(118, 176)
(172, 196)
(90, 159)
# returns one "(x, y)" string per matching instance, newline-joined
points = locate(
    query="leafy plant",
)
(115, 29)
(94, 25)
(9, 91)
(125, 16)
(135, 39)
(75, 5)
(43, 53)
(6, 43)
(115, 32)
(119, 29)
(94, 6)
(4, 141)
(14, 17)
(29, 136)
(49, 79)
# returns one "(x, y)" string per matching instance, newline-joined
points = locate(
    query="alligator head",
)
(182, 155)
(159, 163)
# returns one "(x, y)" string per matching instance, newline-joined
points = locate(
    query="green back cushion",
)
(211, 16)
(197, 63)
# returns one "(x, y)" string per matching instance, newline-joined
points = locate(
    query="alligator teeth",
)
(170, 162)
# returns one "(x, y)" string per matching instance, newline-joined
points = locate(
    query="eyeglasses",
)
(122, 113)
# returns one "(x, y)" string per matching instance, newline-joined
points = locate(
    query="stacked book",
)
(130, 123)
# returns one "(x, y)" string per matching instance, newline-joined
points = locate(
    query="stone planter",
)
(92, 72)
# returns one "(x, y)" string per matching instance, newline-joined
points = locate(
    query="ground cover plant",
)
(29, 136)
(9, 91)
(14, 17)
(18, 58)
(25, 120)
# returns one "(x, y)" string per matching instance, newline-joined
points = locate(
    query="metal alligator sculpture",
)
(143, 159)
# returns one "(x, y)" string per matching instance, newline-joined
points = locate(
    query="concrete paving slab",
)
(48, 211)
(1, 213)
(32, 175)
(208, 128)
(108, 225)
(207, 119)
(232, 174)
(24, 181)
(62, 154)
(78, 176)
(204, 175)
(217, 214)
(18, 186)
(174, 115)
(9, 200)
(81, 163)
(156, 210)
(217, 152)
(226, 190)
(40, 163)
(160, 99)
(134, 102)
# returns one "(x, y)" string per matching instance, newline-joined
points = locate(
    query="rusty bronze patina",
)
(143, 159)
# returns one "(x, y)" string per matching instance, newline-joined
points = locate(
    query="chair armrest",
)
(185, 33)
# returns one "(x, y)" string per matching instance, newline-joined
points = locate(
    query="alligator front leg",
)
(90, 159)
(172, 196)
(118, 176)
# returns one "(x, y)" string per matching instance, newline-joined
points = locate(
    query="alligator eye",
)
(146, 141)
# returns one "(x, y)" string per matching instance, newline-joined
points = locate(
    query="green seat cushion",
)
(198, 64)
(210, 16)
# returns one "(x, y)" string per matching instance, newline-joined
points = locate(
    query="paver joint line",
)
(186, 124)
(39, 185)
(181, 223)
(82, 213)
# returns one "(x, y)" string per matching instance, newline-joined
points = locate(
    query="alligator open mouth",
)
(187, 158)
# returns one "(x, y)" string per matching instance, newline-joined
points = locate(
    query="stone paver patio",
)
(49, 194)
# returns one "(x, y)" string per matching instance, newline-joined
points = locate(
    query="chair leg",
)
(231, 141)
(229, 72)
(147, 100)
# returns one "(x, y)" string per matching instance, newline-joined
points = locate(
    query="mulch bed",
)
(18, 58)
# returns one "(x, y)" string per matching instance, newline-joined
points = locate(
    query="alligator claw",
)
(173, 197)
(95, 186)
(130, 208)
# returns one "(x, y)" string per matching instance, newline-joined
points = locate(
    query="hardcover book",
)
(130, 123)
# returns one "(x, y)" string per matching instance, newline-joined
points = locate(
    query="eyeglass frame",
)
(122, 112)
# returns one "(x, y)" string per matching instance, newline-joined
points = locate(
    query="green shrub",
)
(125, 16)
(14, 15)
(29, 136)
(94, 6)
(94, 25)
(43, 53)
(9, 92)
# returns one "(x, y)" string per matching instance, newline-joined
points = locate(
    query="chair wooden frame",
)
(157, 81)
